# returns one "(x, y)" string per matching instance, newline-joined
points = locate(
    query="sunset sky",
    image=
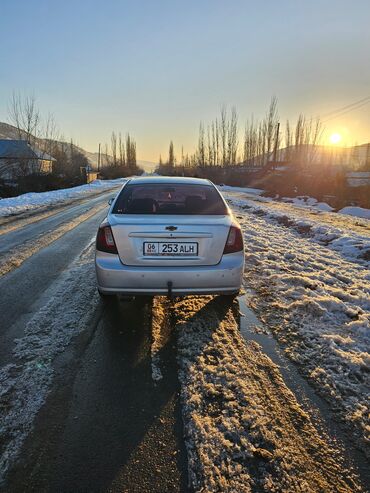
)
(156, 68)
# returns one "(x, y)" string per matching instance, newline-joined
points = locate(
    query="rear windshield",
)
(169, 199)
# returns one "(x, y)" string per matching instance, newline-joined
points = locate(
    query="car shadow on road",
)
(123, 431)
(109, 426)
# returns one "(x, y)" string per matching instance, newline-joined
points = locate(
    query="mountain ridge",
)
(8, 131)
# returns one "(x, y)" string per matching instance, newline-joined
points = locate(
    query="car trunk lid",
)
(170, 240)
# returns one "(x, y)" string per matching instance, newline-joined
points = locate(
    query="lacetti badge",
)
(171, 228)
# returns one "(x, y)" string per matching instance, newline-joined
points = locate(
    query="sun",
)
(335, 138)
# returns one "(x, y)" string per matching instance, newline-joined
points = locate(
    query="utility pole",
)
(99, 159)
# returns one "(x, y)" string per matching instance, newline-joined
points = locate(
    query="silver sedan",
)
(169, 235)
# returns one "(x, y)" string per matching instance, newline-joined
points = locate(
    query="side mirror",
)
(110, 201)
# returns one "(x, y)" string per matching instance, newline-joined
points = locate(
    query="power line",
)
(347, 106)
(346, 109)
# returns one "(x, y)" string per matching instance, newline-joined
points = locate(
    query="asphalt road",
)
(25, 289)
(80, 409)
(106, 425)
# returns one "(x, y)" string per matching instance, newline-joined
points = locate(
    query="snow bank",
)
(356, 211)
(244, 430)
(24, 385)
(305, 201)
(252, 191)
(315, 296)
(350, 244)
(34, 200)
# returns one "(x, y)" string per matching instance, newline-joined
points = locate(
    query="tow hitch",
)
(169, 290)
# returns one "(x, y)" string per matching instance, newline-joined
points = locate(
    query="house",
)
(89, 174)
(20, 158)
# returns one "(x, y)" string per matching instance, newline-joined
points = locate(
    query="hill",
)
(8, 131)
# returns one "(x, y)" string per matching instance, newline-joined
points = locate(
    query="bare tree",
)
(106, 156)
(201, 152)
(25, 116)
(214, 146)
(217, 142)
(113, 147)
(131, 153)
(232, 137)
(250, 142)
(122, 155)
(316, 130)
(271, 121)
(209, 154)
(219, 145)
(171, 156)
(50, 133)
(48, 144)
(307, 136)
(262, 138)
(223, 136)
(121, 149)
(288, 142)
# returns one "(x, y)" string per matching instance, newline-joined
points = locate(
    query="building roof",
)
(21, 149)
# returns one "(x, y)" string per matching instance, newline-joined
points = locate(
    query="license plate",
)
(170, 248)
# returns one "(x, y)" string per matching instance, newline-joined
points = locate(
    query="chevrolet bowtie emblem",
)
(171, 228)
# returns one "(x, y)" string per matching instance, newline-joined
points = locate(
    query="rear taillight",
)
(105, 241)
(234, 242)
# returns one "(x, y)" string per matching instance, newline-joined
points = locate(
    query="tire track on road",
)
(244, 429)
(25, 383)
(111, 427)
(16, 256)
(18, 221)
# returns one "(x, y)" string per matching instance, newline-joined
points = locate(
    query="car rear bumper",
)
(114, 278)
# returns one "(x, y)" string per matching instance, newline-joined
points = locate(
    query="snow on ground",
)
(356, 211)
(15, 257)
(312, 287)
(337, 236)
(306, 201)
(34, 200)
(303, 201)
(253, 191)
(160, 330)
(24, 384)
(244, 430)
